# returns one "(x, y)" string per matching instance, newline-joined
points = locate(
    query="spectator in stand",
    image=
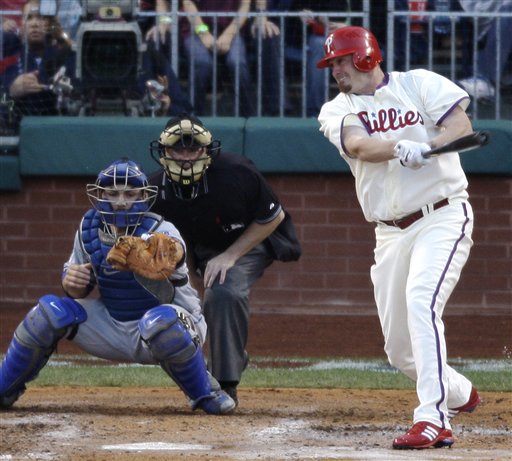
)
(203, 37)
(11, 22)
(481, 85)
(9, 54)
(67, 11)
(418, 44)
(156, 31)
(157, 81)
(318, 27)
(29, 72)
(418, 38)
(157, 28)
(271, 57)
(155, 66)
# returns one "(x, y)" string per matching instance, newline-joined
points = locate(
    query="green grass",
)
(486, 375)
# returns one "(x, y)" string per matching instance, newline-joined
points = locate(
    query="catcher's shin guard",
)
(33, 343)
(168, 336)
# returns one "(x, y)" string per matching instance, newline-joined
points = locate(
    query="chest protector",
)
(124, 297)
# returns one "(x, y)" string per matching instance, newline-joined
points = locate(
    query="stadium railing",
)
(449, 40)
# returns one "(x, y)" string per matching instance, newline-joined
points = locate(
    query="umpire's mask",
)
(181, 135)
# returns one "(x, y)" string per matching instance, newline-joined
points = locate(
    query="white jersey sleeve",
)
(434, 95)
(407, 105)
(78, 254)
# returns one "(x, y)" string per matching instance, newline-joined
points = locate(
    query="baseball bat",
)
(469, 142)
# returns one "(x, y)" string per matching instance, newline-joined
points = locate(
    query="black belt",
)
(406, 221)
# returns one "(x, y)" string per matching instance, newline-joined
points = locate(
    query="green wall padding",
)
(80, 146)
(85, 145)
(291, 145)
(10, 173)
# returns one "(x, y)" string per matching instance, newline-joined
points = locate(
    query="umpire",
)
(234, 227)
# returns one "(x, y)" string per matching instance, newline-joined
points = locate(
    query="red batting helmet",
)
(358, 42)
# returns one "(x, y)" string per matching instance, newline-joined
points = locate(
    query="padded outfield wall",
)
(43, 198)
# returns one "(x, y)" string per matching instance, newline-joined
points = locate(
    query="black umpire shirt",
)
(233, 194)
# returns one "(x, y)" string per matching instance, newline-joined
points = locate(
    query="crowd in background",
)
(249, 62)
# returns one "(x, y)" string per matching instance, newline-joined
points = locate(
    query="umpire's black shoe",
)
(231, 391)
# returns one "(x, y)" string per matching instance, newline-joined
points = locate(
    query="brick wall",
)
(37, 227)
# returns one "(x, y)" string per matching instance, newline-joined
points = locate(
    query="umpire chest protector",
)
(124, 297)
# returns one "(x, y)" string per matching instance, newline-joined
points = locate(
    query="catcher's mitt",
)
(154, 258)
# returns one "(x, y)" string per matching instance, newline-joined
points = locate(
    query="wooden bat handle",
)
(469, 142)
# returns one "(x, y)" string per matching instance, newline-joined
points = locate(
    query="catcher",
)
(147, 312)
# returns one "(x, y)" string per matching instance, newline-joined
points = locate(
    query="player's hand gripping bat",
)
(469, 142)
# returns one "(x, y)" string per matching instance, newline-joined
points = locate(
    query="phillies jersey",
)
(407, 105)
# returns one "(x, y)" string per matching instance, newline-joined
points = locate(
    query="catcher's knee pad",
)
(168, 335)
(49, 321)
(35, 339)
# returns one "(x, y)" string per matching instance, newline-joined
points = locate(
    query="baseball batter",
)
(381, 124)
(139, 316)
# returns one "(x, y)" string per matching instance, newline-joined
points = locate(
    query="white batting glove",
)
(409, 153)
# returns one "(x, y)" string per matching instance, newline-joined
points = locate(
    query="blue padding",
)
(35, 340)
(62, 312)
(172, 346)
(154, 321)
(20, 365)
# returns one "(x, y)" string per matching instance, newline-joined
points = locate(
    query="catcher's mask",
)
(358, 42)
(122, 175)
(185, 133)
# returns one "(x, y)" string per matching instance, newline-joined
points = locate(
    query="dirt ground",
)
(122, 424)
(125, 424)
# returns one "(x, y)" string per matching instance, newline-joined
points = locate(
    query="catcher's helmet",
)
(121, 175)
(358, 42)
(184, 132)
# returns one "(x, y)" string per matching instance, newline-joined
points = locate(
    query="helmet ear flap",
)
(363, 63)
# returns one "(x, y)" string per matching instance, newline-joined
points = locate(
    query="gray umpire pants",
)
(226, 310)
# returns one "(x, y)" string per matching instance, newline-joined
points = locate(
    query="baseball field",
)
(296, 421)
